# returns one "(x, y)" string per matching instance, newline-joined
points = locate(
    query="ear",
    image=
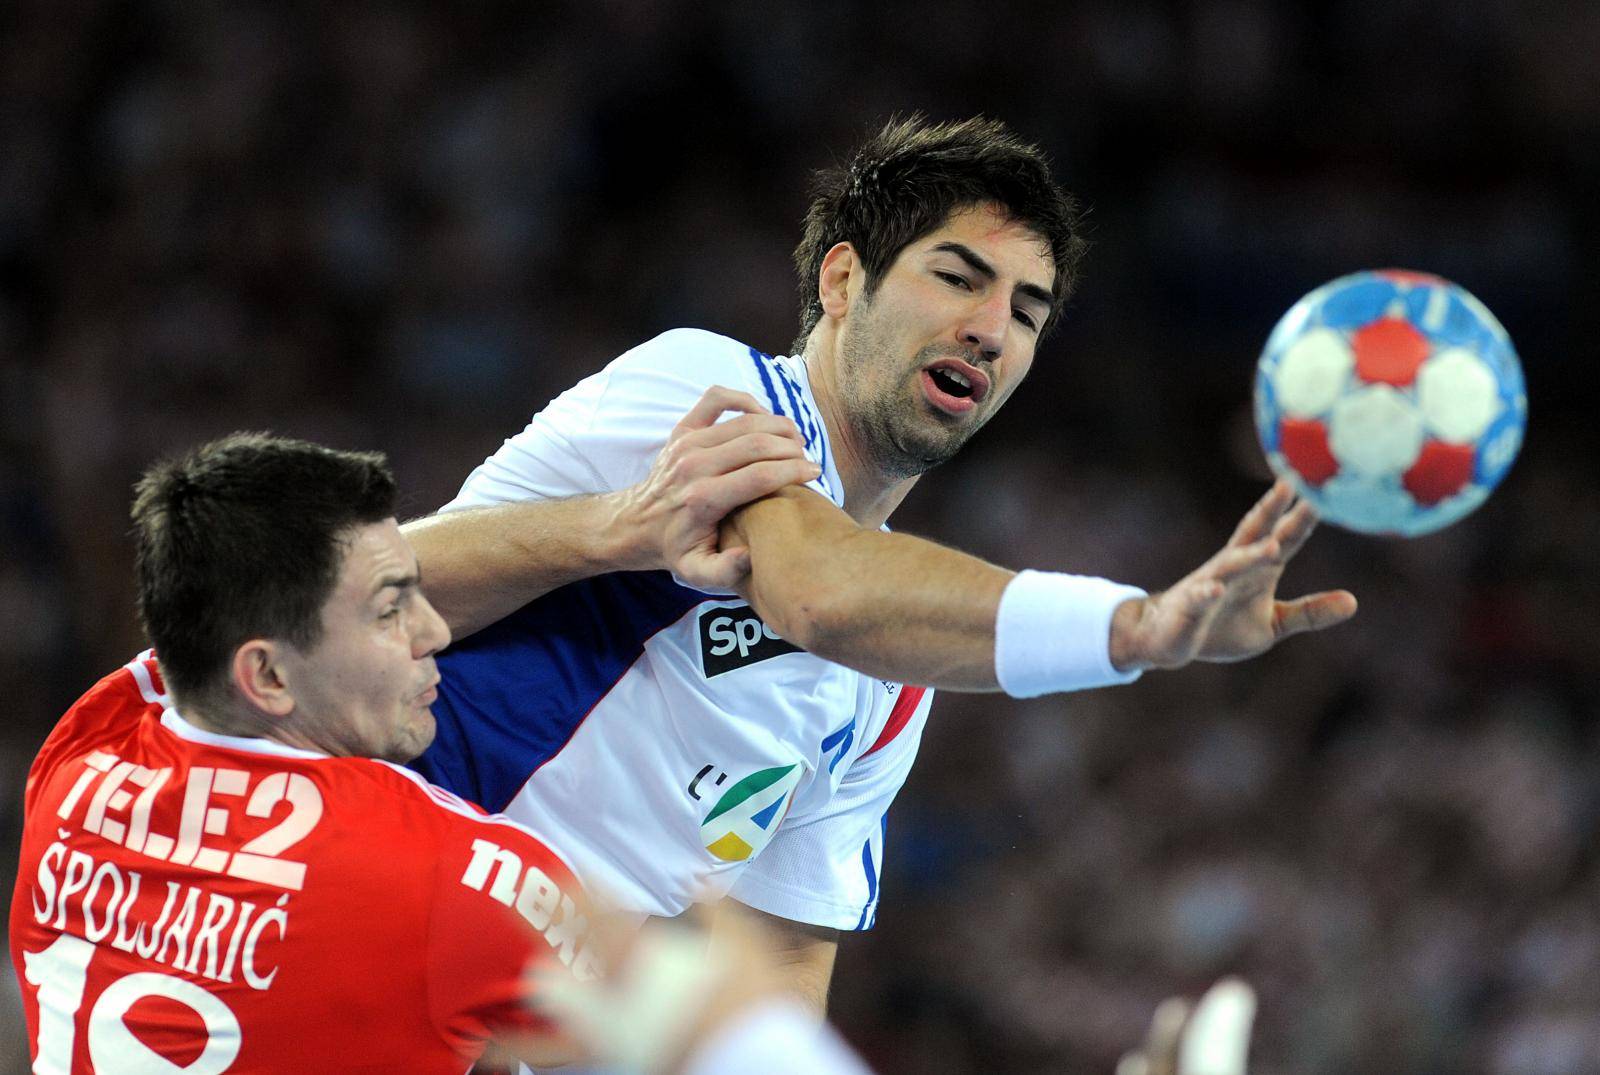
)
(841, 279)
(259, 675)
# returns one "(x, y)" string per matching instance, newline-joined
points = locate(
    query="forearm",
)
(898, 607)
(893, 606)
(482, 564)
(890, 605)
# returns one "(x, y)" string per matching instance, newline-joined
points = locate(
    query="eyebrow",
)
(982, 267)
(400, 582)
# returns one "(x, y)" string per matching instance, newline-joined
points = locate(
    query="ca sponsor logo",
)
(748, 813)
(735, 637)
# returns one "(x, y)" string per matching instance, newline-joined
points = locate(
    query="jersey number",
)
(60, 972)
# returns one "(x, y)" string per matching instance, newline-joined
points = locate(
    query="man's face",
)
(945, 338)
(365, 688)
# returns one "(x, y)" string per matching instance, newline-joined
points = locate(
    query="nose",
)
(432, 633)
(984, 328)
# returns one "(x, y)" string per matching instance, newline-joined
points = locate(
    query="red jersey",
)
(205, 903)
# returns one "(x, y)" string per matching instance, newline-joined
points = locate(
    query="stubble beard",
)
(894, 426)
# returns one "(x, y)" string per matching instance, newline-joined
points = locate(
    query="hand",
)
(667, 990)
(1228, 609)
(1208, 1038)
(706, 470)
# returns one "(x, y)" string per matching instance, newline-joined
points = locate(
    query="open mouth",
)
(954, 386)
(952, 383)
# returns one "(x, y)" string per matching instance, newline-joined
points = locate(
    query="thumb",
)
(1313, 612)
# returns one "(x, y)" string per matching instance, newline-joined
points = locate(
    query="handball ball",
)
(1393, 400)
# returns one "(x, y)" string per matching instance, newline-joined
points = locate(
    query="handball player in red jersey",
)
(224, 867)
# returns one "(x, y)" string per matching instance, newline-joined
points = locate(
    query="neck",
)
(870, 496)
(245, 725)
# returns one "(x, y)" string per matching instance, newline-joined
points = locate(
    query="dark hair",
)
(907, 179)
(243, 538)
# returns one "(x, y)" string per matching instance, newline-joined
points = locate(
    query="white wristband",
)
(1053, 633)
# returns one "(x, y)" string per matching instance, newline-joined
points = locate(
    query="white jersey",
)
(672, 745)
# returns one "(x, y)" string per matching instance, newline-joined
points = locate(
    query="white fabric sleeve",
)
(604, 432)
(824, 868)
(776, 1038)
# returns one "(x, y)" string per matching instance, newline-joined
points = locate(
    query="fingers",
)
(1295, 527)
(715, 572)
(1166, 1033)
(1159, 1054)
(714, 403)
(1133, 1064)
(1258, 521)
(1217, 1041)
(768, 428)
(719, 495)
(1275, 546)
(1313, 612)
(720, 455)
(746, 424)
(1235, 561)
(1211, 1037)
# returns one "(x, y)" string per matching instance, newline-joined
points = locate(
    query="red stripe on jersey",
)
(899, 717)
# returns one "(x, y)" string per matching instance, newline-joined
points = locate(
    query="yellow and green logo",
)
(748, 813)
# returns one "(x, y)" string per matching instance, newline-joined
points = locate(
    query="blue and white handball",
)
(1392, 399)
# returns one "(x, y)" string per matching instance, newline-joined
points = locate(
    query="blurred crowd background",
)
(408, 226)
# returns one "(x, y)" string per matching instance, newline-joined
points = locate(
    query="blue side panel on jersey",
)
(812, 430)
(766, 380)
(841, 739)
(512, 694)
(802, 413)
(869, 914)
(872, 883)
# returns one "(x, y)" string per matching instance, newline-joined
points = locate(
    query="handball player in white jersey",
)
(675, 739)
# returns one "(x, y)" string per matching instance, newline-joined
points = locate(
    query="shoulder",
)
(686, 346)
(492, 874)
(107, 711)
(691, 356)
(454, 820)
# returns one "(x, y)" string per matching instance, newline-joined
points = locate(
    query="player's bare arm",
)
(907, 609)
(890, 605)
(485, 563)
(800, 956)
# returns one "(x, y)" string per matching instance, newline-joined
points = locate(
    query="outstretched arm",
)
(903, 608)
(485, 563)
